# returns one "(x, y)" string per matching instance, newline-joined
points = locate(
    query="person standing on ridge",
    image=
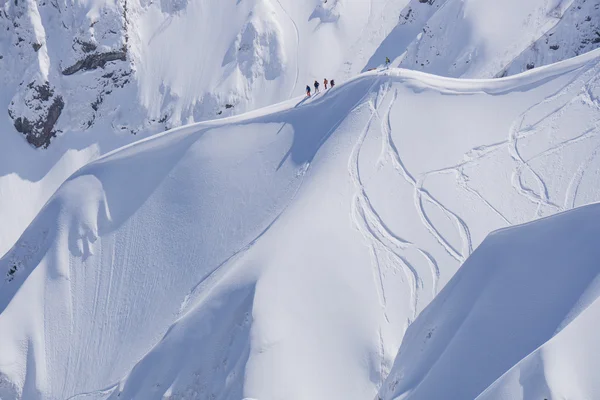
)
(308, 90)
(325, 82)
(332, 83)
(316, 87)
(387, 61)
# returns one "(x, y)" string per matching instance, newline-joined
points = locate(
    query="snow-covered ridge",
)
(283, 253)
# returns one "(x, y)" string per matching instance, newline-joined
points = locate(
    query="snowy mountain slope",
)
(525, 302)
(483, 39)
(119, 68)
(577, 32)
(96, 72)
(283, 253)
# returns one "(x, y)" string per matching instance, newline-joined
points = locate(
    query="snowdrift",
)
(523, 308)
(283, 253)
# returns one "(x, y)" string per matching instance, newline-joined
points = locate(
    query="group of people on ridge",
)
(332, 82)
(316, 84)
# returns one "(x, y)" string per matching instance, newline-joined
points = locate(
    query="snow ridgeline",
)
(284, 253)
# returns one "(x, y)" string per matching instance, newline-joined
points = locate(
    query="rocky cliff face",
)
(46, 42)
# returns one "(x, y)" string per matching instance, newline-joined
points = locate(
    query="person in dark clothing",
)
(308, 90)
(332, 82)
(316, 87)
(387, 61)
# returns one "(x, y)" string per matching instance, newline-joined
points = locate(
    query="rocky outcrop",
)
(96, 60)
(36, 114)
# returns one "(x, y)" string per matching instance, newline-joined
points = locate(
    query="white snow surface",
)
(519, 318)
(283, 253)
(187, 61)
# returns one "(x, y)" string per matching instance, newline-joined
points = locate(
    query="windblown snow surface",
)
(283, 253)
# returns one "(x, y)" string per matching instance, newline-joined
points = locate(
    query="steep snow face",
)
(523, 308)
(284, 253)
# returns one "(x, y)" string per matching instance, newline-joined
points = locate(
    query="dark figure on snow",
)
(387, 61)
(316, 87)
(332, 83)
(308, 90)
(325, 82)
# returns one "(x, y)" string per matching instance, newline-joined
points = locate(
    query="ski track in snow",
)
(96, 394)
(573, 188)
(379, 234)
(541, 198)
(359, 212)
(420, 193)
(386, 127)
(517, 131)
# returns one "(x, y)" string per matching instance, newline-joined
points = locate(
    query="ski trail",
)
(462, 182)
(386, 127)
(374, 230)
(541, 198)
(358, 211)
(420, 193)
(587, 134)
(94, 394)
(297, 47)
(383, 369)
(381, 240)
(470, 157)
(463, 229)
(573, 188)
(517, 131)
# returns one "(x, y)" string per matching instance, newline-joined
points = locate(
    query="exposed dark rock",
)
(87, 47)
(43, 92)
(40, 132)
(530, 66)
(36, 46)
(554, 47)
(96, 103)
(39, 126)
(96, 60)
(228, 106)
